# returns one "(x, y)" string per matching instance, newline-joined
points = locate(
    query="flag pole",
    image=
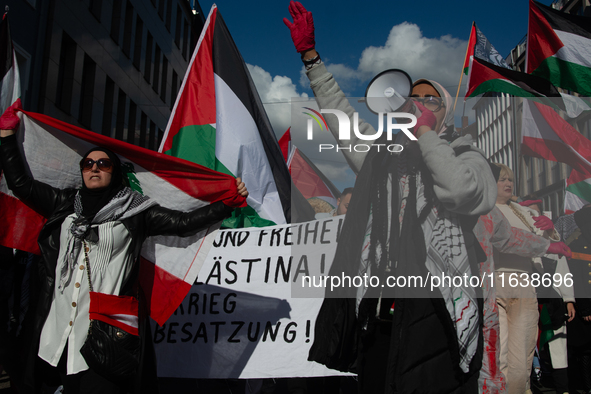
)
(458, 92)
(462, 74)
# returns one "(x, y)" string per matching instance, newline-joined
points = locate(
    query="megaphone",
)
(389, 91)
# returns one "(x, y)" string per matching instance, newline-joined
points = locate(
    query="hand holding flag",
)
(237, 200)
(241, 188)
(9, 121)
(560, 248)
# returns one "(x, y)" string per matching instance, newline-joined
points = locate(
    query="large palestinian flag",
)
(548, 136)
(218, 121)
(559, 48)
(545, 134)
(170, 265)
(486, 77)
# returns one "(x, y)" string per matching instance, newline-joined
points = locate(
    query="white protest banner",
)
(240, 320)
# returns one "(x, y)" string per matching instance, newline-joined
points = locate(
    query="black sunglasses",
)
(105, 165)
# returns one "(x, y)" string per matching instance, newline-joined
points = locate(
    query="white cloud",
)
(276, 94)
(406, 48)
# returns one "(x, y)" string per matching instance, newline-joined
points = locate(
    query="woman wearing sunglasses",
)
(92, 237)
(411, 215)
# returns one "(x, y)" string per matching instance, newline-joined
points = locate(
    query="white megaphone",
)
(389, 91)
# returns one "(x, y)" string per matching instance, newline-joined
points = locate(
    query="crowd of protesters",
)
(435, 208)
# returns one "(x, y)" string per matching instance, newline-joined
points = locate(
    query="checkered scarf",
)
(124, 204)
(444, 247)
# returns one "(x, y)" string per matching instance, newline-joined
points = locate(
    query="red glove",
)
(9, 119)
(302, 28)
(427, 118)
(527, 203)
(543, 222)
(560, 248)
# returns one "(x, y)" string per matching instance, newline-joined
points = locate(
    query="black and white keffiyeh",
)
(393, 235)
(445, 254)
(126, 203)
(565, 226)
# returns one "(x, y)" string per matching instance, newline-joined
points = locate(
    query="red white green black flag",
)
(559, 48)
(219, 121)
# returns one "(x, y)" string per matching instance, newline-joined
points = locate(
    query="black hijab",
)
(94, 199)
(496, 170)
(583, 221)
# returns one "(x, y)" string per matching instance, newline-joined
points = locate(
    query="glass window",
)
(87, 92)
(116, 21)
(137, 48)
(67, 68)
(108, 107)
(127, 29)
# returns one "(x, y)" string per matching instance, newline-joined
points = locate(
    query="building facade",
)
(110, 66)
(498, 133)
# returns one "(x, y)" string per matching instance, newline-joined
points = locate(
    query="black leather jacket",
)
(56, 204)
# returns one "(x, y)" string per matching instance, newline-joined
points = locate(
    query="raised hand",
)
(302, 28)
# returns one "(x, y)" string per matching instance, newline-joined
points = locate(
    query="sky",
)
(357, 40)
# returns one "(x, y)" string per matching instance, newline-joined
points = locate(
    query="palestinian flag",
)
(559, 48)
(578, 191)
(170, 265)
(309, 180)
(10, 83)
(470, 49)
(546, 135)
(480, 47)
(486, 77)
(218, 121)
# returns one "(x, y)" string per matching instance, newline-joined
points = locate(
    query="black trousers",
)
(372, 359)
(85, 382)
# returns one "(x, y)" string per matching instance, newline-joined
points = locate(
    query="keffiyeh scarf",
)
(124, 204)
(445, 252)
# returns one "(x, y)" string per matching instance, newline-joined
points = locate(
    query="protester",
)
(493, 231)
(518, 306)
(575, 229)
(19, 291)
(92, 235)
(428, 188)
(342, 205)
(557, 302)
